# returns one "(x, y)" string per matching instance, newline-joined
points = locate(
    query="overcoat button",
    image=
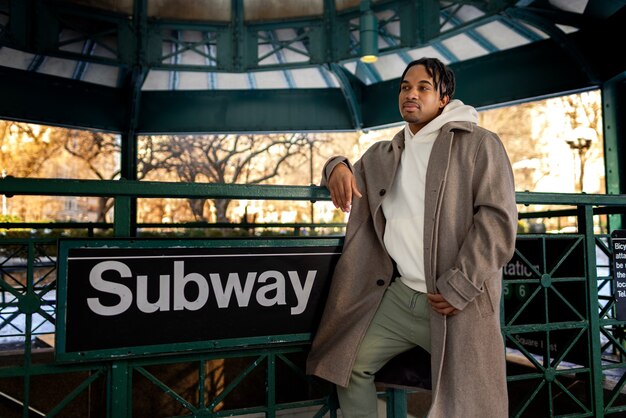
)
(382, 192)
(380, 282)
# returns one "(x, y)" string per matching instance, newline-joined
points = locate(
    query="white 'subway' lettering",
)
(273, 290)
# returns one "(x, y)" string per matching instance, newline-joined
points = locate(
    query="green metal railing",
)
(558, 319)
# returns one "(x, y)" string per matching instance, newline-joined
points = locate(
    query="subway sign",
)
(139, 297)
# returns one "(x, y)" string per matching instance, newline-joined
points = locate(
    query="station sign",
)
(138, 297)
(545, 283)
(132, 297)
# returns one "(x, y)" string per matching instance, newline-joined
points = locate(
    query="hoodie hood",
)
(455, 111)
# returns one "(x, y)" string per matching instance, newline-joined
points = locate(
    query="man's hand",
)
(342, 187)
(441, 305)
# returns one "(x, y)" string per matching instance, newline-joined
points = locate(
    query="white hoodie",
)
(403, 206)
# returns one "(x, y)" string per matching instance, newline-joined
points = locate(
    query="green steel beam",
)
(396, 403)
(419, 22)
(557, 35)
(21, 27)
(330, 41)
(148, 189)
(237, 47)
(596, 33)
(126, 208)
(139, 70)
(152, 189)
(51, 100)
(232, 111)
(613, 107)
(351, 87)
(125, 217)
(585, 226)
(603, 9)
(574, 199)
(120, 390)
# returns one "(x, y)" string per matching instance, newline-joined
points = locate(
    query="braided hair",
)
(443, 76)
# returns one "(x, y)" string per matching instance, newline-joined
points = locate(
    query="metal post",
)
(613, 99)
(122, 224)
(271, 386)
(396, 403)
(585, 226)
(311, 180)
(120, 390)
(28, 306)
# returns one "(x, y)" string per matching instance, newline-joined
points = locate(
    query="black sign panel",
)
(618, 239)
(545, 283)
(117, 298)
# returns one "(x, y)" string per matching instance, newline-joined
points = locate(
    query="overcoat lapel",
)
(380, 183)
(435, 187)
(435, 184)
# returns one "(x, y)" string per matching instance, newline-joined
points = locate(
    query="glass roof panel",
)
(273, 79)
(189, 49)
(189, 55)
(391, 66)
(463, 47)
(13, 58)
(467, 13)
(567, 29)
(234, 81)
(350, 66)
(428, 51)
(501, 35)
(314, 78)
(190, 80)
(58, 67)
(575, 6)
(157, 80)
(71, 41)
(534, 29)
(101, 74)
(281, 47)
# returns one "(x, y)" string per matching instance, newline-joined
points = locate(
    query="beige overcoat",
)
(469, 235)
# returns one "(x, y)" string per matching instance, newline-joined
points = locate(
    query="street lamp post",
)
(4, 197)
(580, 141)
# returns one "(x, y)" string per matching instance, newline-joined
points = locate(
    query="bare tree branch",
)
(221, 159)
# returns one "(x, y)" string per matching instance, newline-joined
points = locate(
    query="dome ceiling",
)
(149, 46)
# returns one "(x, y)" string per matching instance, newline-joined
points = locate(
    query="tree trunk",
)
(103, 209)
(197, 208)
(221, 206)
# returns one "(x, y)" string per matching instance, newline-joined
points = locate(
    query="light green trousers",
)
(400, 323)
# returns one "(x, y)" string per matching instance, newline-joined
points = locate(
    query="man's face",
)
(419, 100)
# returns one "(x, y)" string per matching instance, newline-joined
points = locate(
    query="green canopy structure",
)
(146, 67)
(156, 66)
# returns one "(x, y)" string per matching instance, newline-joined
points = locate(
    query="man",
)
(432, 221)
